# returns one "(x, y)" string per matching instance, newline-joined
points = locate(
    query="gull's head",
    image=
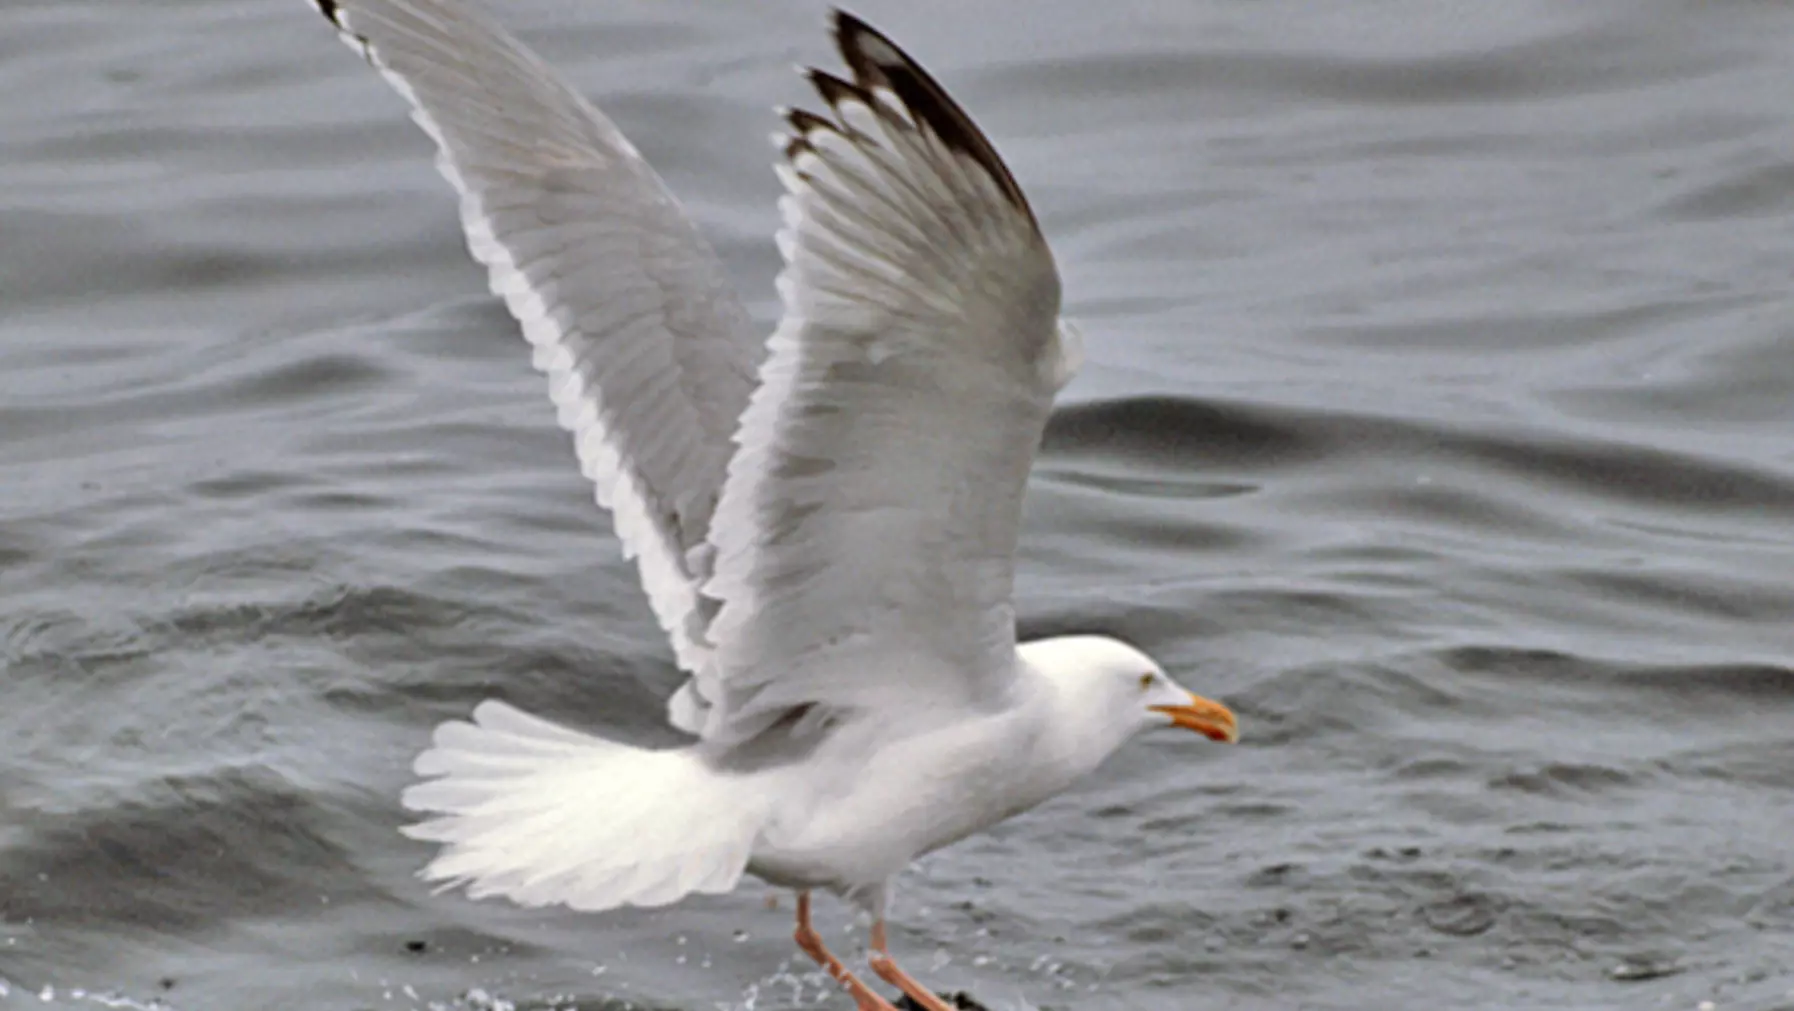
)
(1122, 688)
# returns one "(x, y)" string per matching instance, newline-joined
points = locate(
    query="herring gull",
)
(824, 521)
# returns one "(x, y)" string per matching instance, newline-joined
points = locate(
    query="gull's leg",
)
(887, 970)
(811, 943)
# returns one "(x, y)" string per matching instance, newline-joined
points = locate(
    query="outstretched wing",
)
(649, 354)
(866, 535)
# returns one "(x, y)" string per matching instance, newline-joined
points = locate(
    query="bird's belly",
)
(867, 821)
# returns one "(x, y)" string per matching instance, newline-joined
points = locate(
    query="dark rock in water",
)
(962, 1000)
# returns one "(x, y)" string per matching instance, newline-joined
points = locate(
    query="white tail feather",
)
(541, 815)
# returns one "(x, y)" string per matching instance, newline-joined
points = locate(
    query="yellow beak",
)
(1209, 718)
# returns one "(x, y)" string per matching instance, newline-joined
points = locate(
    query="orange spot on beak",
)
(1209, 718)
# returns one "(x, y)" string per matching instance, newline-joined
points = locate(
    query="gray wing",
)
(649, 354)
(866, 534)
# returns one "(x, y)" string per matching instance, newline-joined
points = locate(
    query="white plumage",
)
(825, 524)
(508, 779)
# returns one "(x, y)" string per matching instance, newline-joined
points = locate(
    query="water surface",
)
(1439, 417)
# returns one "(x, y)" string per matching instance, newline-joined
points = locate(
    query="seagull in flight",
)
(824, 520)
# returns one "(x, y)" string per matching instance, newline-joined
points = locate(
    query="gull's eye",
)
(1148, 680)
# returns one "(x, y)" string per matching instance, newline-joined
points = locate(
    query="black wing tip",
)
(877, 62)
(333, 12)
(868, 52)
(805, 122)
(835, 90)
(844, 24)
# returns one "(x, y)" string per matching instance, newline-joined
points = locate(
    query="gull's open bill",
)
(824, 521)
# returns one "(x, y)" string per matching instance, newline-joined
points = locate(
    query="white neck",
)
(1077, 730)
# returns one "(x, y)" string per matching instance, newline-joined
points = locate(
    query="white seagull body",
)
(825, 522)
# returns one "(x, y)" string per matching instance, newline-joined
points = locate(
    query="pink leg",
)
(887, 970)
(811, 943)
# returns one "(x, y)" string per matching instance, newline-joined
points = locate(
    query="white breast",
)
(874, 813)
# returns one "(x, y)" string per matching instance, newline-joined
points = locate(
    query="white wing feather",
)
(649, 354)
(866, 534)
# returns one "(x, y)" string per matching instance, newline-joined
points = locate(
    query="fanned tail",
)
(540, 814)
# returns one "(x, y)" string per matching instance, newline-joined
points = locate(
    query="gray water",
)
(1439, 417)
